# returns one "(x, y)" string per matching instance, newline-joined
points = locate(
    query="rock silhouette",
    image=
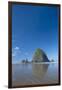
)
(40, 56)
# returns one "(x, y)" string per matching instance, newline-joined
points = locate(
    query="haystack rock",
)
(40, 56)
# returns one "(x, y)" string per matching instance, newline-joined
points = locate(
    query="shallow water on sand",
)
(34, 74)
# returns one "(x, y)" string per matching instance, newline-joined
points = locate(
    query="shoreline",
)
(36, 63)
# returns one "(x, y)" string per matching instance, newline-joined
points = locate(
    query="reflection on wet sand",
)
(39, 70)
(29, 74)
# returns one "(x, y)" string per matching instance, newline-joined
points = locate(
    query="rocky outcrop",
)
(40, 56)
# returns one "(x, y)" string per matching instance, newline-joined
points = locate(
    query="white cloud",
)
(16, 48)
(15, 51)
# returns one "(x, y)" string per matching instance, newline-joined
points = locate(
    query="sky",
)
(34, 27)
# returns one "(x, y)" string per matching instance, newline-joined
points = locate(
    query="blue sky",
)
(34, 27)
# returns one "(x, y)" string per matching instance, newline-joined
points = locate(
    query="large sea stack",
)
(40, 56)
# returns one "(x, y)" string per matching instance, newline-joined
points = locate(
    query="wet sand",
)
(34, 74)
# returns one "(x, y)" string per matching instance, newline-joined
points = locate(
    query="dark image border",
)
(10, 3)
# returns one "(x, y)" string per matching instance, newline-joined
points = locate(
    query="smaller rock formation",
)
(52, 60)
